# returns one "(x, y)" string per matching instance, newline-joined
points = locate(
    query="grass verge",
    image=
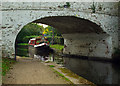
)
(57, 46)
(6, 64)
(22, 44)
(61, 75)
(51, 66)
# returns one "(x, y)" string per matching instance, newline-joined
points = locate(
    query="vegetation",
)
(22, 49)
(58, 47)
(33, 30)
(48, 31)
(67, 5)
(57, 40)
(69, 73)
(93, 7)
(22, 52)
(6, 65)
(63, 77)
(27, 38)
(51, 66)
(28, 30)
(23, 44)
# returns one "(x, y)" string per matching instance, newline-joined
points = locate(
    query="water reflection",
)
(95, 71)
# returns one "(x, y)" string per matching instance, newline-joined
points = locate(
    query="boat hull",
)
(40, 50)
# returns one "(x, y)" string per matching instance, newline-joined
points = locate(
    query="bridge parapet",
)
(108, 8)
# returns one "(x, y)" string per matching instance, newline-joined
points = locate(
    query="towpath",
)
(30, 71)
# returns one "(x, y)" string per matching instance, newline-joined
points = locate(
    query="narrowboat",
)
(39, 46)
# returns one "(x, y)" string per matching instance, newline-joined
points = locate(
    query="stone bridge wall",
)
(17, 14)
(119, 23)
(92, 45)
(108, 8)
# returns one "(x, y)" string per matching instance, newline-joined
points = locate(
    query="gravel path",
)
(31, 71)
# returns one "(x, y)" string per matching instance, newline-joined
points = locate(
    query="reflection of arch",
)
(71, 24)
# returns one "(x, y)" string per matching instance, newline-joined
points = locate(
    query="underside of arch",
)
(71, 24)
(81, 37)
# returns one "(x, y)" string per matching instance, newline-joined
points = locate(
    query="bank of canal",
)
(99, 72)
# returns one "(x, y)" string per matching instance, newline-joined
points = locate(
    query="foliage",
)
(68, 4)
(60, 74)
(49, 31)
(57, 39)
(22, 52)
(6, 64)
(93, 7)
(23, 49)
(28, 30)
(58, 47)
(22, 44)
(27, 38)
(51, 66)
(33, 30)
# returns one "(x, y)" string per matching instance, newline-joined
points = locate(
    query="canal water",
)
(98, 72)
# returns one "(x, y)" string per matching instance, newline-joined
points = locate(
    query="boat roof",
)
(37, 38)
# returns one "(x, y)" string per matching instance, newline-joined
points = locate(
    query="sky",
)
(44, 25)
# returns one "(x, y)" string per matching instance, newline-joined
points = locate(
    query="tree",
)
(28, 30)
(49, 31)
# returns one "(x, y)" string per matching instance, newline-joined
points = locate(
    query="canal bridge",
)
(89, 29)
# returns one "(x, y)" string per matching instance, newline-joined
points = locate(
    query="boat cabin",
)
(37, 41)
